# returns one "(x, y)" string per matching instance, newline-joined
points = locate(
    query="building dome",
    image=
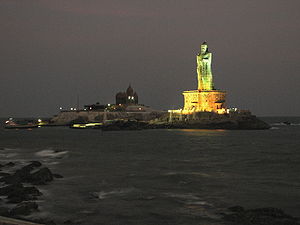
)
(129, 91)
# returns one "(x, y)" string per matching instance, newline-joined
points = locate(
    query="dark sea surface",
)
(155, 177)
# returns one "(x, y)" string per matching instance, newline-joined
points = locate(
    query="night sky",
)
(53, 50)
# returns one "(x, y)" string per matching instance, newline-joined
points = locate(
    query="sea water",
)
(164, 177)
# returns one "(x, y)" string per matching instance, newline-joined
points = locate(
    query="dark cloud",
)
(53, 50)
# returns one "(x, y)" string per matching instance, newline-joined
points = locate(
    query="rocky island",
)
(204, 108)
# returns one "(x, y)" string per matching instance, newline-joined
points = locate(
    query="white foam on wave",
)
(9, 149)
(274, 128)
(8, 155)
(187, 196)
(51, 153)
(187, 173)
(108, 194)
(285, 124)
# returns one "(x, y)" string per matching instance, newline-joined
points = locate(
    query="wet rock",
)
(10, 164)
(40, 177)
(4, 211)
(22, 174)
(2, 174)
(7, 190)
(17, 193)
(236, 208)
(24, 208)
(44, 221)
(68, 222)
(35, 164)
(24, 194)
(260, 216)
(55, 175)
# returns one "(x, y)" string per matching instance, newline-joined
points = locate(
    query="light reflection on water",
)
(204, 132)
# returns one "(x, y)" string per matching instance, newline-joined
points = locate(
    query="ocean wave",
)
(51, 153)
(285, 124)
(108, 194)
(8, 155)
(8, 149)
(187, 196)
(187, 173)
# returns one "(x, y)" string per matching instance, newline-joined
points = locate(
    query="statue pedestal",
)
(203, 101)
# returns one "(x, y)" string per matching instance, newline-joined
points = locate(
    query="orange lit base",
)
(204, 101)
(189, 112)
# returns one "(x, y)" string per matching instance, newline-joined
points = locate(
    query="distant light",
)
(71, 109)
(74, 108)
(108, 104)
(39, 120)
(90, 107)
(60, 108)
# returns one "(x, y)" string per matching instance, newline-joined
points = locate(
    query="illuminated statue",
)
(205, 81)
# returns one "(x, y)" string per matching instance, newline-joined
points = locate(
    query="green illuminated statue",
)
(204, 58)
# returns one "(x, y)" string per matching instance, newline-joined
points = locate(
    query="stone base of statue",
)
(204, 101)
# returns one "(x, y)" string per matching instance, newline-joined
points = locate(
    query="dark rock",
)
(260, 216)
(16, 198)
(7, 190)
(2, 174)
(17, 193)
(21, 175)
(10, 179)
(40, 177)
(10, 164)
(44, 221)
(4, 211)
(24, 208)
(272, 212)
(32, 191)
(236, 208)
(35, 164)
(25, 194)
(55, 175)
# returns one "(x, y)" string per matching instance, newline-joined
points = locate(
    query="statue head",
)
(204, 48)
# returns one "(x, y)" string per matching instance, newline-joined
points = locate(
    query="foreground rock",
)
(17, 189)
(17, 193)
(261, 216)
(24, 209)
(27, 175)
(41, 177)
